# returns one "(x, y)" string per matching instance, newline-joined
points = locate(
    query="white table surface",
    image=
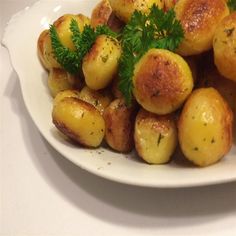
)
(44, 194)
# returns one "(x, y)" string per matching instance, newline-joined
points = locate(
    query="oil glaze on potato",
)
(205, 127)
(199, 19)
(62, 25)
(119, 121)
(162, 81)
(100, 64)
(59, 80)
(124, 8)
(65, 94)
(45, 52)
(155, 137)
(224, 45)
(80, 121)
(101, 13)
(99, 99)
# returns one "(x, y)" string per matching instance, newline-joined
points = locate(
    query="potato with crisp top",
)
(65, 94)
(155, 137)
(60, 80)
(125, 8)
(99, 99)
(45, 51)
(62, 25)
(224, 45)
(79, 120)
(100, 64)
(205, 127)
(199, 19)
(119, 120)
(162, 81)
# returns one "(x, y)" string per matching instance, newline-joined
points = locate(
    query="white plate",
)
(21, 39)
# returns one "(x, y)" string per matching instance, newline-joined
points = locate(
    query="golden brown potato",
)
(124, 8)
(59, 80)
(119, 120)
(162, 81)
(155, 137)
(199, 19)
(205, 127)
(65, 94)
(45, 52)
(99, 99)
(224, 44)
(62, 25)
(100, 64)
(101, 13)
(80, 121)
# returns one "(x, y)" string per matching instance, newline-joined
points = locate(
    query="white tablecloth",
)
(44, 194)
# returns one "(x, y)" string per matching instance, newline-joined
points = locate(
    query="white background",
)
(44, 194)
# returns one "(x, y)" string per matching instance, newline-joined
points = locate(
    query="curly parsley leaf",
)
(70, 60)
(232, 5)
(158, 29)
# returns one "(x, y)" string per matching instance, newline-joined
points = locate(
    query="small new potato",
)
(224, 45)
(125, 8)
(162, 81)
(99, 99)
(101, 13)
(59, 80)
(65, 94)
(205, 127)
(100, 64)
(119, 120)
(80, 121)
(155, 137)
(45, 52)
(199, 19)
(62, 25)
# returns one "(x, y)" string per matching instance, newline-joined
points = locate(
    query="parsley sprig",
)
(232, 5)
(158, 29)
(70, 60)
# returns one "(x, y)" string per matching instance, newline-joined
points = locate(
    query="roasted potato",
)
(101, 13)
(199, 19)
(205, 127)
(59, 80)
(224, 45)
(45, 52)
(99, 99)
(125, 8)
(65, 94)
(162, 81)
(155, 137)
(100, 64)
(119, 120)
(62, 25)
(80, 121)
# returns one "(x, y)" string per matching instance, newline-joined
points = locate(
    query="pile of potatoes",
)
(185, 97)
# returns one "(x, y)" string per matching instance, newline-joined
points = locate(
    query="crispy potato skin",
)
(80, 121)
(59, 80)
(62, 25)
(205, 127)
(65, 94)
(99, 99)
(45, 53)
(162, 81)
(224, 45)
(124, 8)
(199, 19)
(119, 120)
(101, 13)
(155, 137)
(100, 64)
